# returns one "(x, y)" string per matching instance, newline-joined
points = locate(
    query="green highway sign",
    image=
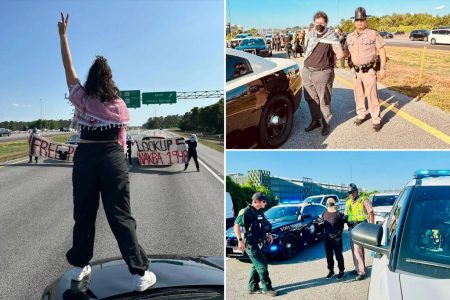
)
(131, 98)
(159, 97)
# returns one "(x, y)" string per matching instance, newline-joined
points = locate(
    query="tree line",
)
(39, 124)
(401, 22)
(208, 119)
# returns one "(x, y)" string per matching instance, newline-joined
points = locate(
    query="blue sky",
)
(380, 170)
(290, 13)
(150, 45)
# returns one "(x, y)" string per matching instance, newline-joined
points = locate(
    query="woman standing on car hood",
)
(99, 168)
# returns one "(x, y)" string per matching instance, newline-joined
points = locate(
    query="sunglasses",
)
(261, 200)
(359, 20)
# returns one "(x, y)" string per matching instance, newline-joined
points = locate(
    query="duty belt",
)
(363, 68)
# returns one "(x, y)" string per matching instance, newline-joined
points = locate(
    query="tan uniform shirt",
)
(363, 46)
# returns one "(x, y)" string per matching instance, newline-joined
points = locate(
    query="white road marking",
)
(211, 171)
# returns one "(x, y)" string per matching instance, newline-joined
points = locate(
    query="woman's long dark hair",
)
(99, 81)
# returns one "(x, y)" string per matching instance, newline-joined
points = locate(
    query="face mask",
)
(320, 28)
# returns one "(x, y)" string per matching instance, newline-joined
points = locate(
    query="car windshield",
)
(283, 213)
(313, 199)
(425, 245)
(252, 42)
(240, 36)
(74, 138)
(387, 200)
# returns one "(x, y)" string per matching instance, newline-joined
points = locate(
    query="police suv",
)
(414, 262)
(293, 227)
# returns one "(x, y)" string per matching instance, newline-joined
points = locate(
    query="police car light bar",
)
(430, 173)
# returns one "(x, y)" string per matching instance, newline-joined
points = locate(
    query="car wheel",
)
(276, 121)
(433, 42)
(290, 248)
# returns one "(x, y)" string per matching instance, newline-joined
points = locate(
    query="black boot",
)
(325, 129)
(185, 167)
(313, 125)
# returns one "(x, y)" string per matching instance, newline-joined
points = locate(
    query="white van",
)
(439, 36)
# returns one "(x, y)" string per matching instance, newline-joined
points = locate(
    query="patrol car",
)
(293, 227)
(414, 262)
(262, 94)
(255, 45)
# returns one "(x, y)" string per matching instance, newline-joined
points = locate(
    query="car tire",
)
(433, 42)
(290, 248)
(274, 135)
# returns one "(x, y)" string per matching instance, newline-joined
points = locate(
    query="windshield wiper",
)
(427, 263)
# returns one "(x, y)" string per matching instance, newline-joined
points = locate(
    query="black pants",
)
(35, 158)
(334, 245)
(194, 156)
(100, 169)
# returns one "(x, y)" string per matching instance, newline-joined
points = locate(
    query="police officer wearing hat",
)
(257, 235)
(357, 210)
(362, 46)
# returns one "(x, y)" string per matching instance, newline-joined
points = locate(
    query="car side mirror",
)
(369, 236)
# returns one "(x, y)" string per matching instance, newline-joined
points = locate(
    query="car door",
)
(319, 221)
(446, 37)
(245, 99)
(309, 228)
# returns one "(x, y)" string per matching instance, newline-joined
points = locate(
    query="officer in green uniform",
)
(257, 235)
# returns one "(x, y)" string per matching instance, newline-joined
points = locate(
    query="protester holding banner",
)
(100, 168)
(30, 148)
(192, 151)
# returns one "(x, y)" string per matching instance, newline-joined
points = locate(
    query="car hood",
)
(111, 277)
(382, 208)
(417, 287)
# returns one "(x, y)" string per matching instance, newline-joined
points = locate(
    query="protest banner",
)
(162, 151)
(40, 146)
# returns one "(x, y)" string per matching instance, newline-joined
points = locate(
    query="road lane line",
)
(422, 125)
(211, 171)
(13, 163)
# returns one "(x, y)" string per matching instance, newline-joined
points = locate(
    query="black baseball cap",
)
(352, 188)
(259, 196)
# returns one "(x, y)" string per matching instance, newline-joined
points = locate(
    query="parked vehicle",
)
(439, 36)
(382, 205)
(322, 199)
(414, 260)
(262, 94)
(5, 132)
(419, 35)
(293, 227)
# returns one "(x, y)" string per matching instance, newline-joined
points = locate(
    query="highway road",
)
(176, 212)
(407, 123)
(302, 277)
(24, 136)
(415, 44)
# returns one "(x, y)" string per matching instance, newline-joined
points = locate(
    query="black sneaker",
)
(330, 275)
(358, 122)
(271, 293)
(360, 277)
(340, 276)
(258, 291)
(376, 127)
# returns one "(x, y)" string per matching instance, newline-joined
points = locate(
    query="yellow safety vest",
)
(356, 212)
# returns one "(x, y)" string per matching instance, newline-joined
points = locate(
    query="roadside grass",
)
(403, 74)
(204, 140)
(18, 149)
